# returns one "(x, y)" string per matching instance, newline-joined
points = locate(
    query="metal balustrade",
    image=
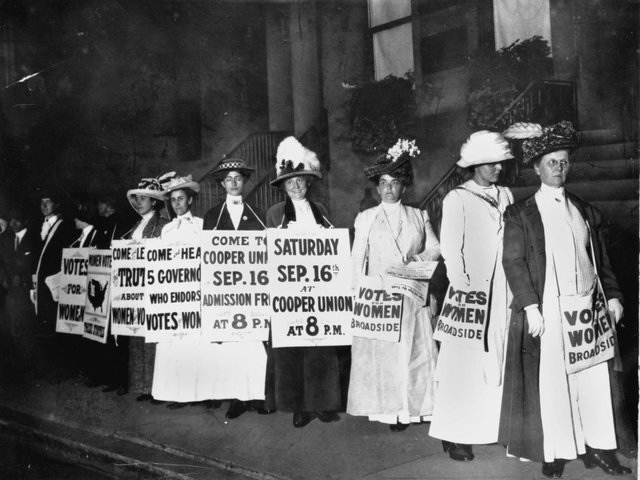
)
(541, 102)
(258, 150)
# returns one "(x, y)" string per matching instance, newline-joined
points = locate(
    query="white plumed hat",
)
(293, 160)
(484, 147)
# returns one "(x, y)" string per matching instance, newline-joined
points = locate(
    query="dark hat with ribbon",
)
(560, 136)
(396, 162)
(294, 160)
(229, 165)
(150, 187)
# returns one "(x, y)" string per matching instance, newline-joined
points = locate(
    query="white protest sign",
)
(172, 291)
(464, 318)
(589, 335)
(377, 312)
(127, 288)
(72, 292)
(96, 312)
(235, 286)
(309, 275)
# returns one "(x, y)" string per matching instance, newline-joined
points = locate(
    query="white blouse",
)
(182, 229)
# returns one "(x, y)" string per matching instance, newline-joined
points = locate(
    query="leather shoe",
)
(301, 419)
(145, 397)
(328, 417)
(553, 469)
(122, 391)
(259, 407)
(110, 388)
(458, 451)
(265, 411)
(398, 427)
(236, 408)
(157, 402)
(606, 460)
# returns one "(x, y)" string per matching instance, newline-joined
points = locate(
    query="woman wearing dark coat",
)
(548, 415)
(147, 199)
(237, 369)
(305, 380)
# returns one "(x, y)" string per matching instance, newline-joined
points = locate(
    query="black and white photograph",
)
(319, 239)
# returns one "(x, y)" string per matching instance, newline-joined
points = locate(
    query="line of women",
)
(514, 391)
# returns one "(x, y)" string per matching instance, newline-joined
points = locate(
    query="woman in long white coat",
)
(391, 382)
(469, 395)
(177, 364)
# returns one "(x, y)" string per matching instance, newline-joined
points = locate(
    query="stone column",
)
(279, 67)
(344, 37)
(305, 65)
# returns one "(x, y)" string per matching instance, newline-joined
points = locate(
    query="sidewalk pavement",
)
(140, 440)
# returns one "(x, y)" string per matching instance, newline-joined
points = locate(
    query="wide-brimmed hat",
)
(231, 164)
(294, 160)
(539, 141)
(150, 187)
(396, 162)
(484, 147)
(175, 182)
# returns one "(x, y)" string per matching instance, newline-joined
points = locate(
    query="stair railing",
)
(258, 151)
(541, 102)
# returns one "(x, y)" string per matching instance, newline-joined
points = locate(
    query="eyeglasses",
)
(553, 163)
(392, 183)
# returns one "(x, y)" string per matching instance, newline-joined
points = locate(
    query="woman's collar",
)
(234, 199)
(549, 191)
(148, 215)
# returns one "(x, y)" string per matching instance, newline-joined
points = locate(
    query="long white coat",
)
(468, 399)
(178, 363)
(393, 382)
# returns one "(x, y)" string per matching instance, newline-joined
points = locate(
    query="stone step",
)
(610, 151)
(593, 191)
(593, 170)
(621, 213)
(600, 137)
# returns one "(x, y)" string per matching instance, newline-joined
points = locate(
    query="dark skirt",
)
(303, 379)
(142, 357)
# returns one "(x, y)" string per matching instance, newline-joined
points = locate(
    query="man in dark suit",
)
(109, 223)
(55, 234)
(88, 234)
(19, 252)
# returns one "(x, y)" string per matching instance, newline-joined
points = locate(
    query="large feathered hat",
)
(293, 160)
(150, 187)
(539, 141)
(484, 147)
(396, 162)
(231, 164)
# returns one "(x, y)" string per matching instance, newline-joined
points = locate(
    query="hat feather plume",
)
(291, 150)
(522, 130)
